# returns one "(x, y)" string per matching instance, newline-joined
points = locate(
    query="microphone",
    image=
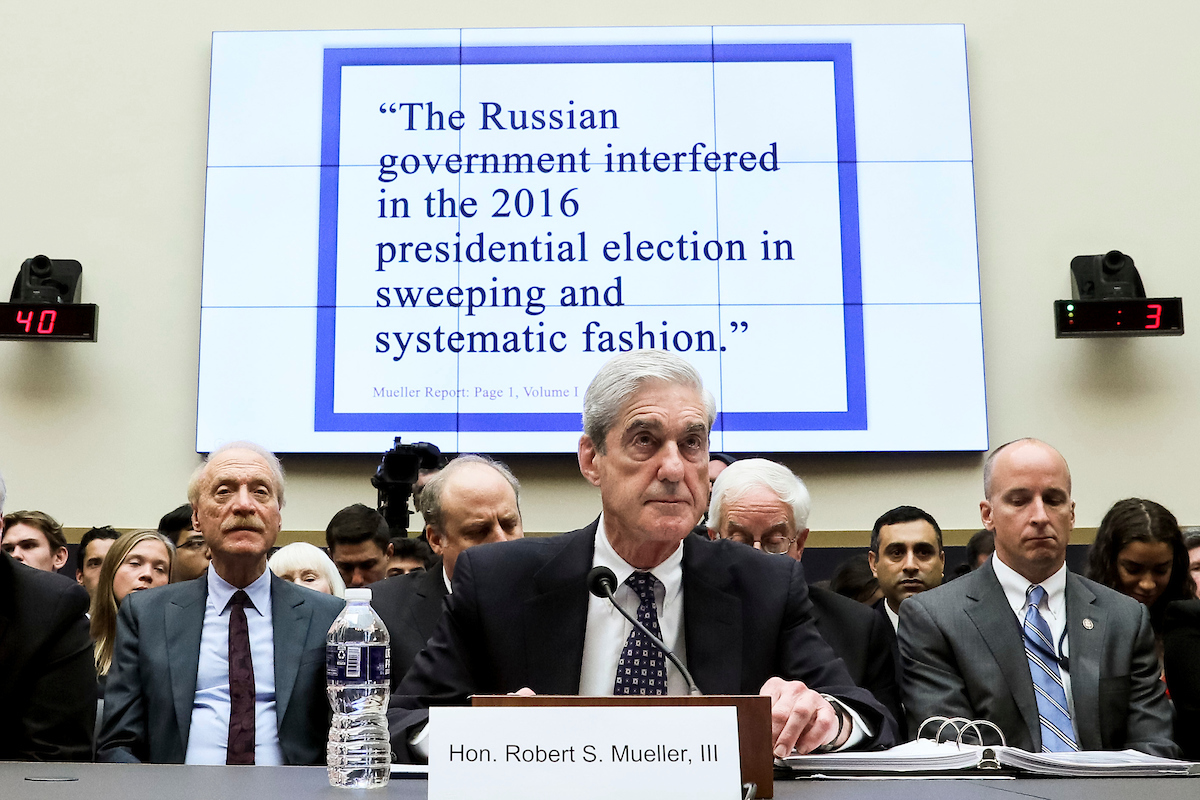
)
(602, 582)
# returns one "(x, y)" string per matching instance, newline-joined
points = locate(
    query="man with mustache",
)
(227, 669)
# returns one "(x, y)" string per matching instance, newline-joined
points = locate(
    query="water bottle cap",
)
(358, 595)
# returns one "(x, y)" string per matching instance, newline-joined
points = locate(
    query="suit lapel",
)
(988, 608)
(8, 593)
(290, 619)
(711, 622)
(426, 612)
(556, 617)
(1086, 644)
(183, 618)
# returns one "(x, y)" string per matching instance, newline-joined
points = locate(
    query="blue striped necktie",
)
(1058, 734)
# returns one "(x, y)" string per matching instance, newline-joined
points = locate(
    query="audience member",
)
(137, 560)
(90, 556)
(854, 579)
(47, 683)
(980, 547)
(360, 544)
(717, 462)
(1181, 660)
(251, 644)
(472, 501)
(1058, 662)
(432, 462)
(1139, 551)
(36, 539)
(307, 565)
(521, 618)
(906, 556)
(1191, 541)
(409, 555)
(191, 551)
(762, 504)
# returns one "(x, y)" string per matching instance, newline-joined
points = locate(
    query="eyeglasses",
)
(192, 544)
(774, 543)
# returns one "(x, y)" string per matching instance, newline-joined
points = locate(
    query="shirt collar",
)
(220, 591)
(669, 572)
(892, 615)
(446, 580)
(1016, 587)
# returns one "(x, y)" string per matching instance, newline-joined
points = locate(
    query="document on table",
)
(925, 755)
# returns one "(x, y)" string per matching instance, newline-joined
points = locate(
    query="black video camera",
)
(398, 474)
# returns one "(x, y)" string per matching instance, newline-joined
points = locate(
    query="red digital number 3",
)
(1155, 316)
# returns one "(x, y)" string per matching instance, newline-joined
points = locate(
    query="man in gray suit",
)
(229, 667)
(1058, 662)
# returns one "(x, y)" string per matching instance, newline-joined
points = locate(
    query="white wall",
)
(1084, 115)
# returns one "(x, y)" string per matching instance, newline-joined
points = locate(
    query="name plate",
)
(583, 752)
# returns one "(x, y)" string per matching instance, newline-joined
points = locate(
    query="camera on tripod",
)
(398, 473)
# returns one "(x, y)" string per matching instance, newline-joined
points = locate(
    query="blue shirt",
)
(209, 734)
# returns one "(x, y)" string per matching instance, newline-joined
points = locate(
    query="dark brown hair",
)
(1138, 520)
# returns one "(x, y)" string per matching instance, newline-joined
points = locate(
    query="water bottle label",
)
(358, 663)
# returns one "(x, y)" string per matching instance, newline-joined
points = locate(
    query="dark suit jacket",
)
(47, 670)
(964, 656)
(518, 613)
(152, 681)
(865, 642)
(410, 606)
(880, 607)
(1181, 662)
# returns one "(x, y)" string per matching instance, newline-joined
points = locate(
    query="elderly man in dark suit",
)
(763, 505)
(1058, 662)
(228, 668)
(472, 501)
(521, 618)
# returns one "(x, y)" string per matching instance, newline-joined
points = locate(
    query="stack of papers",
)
(925, 755)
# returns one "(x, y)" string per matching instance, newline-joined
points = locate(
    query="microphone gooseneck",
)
(602, 582)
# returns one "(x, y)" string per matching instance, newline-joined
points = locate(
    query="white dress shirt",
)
(606, 631)
(209, 734)
(1053, 610)
(892, 615)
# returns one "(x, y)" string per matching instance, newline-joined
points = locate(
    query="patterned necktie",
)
(240, 748)
(642, 668)
(1058, 735)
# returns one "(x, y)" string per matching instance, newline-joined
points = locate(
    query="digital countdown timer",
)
(72, 322)
(1151, 316)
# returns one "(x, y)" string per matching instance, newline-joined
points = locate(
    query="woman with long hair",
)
(1139, 551)
(137, 560)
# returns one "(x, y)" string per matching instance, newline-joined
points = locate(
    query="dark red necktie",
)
(241, 684)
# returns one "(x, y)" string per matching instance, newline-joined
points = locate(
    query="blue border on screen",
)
(855, 415)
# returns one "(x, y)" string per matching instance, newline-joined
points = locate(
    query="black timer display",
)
(56, 322)
(1151, 316)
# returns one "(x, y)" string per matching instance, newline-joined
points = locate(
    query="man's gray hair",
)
(736, 480)
(193, 492)
(623, 376)
(431, 494)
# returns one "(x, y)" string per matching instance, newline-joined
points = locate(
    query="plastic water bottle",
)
(358, 669)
